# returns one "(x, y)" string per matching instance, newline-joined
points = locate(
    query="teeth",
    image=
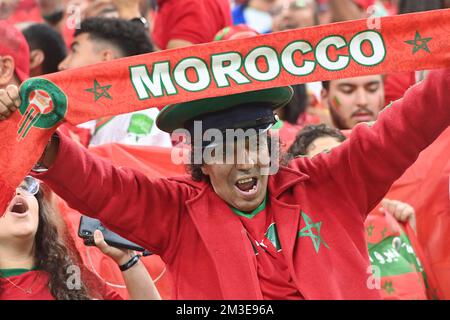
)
(245, 180)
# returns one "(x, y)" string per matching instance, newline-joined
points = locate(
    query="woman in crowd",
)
(38, 262)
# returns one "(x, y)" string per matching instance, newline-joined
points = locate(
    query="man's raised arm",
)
(364, 167)
(143, 210)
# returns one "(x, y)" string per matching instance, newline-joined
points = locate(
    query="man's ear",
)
(7, 67)
(324, 94)
(36, 58)
(205, 170)
(108, 55)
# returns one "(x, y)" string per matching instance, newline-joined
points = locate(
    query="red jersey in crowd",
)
(22, 284)
(196, 21)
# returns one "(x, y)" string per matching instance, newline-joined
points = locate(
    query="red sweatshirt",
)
(196, 21)
(319, 206)
(33, 285)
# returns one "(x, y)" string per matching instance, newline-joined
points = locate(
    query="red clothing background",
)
(38, 282)
(196, 21)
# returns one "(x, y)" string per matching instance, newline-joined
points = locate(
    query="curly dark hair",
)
(310, 133)
(54, 255)
(130, 38)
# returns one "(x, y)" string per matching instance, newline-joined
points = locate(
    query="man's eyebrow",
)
(346, 84)
(371, 83)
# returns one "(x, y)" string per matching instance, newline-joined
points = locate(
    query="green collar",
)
(6, 273)
(260, 208)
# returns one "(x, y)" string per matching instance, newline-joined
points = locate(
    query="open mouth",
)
(20, 207)
(247, 186)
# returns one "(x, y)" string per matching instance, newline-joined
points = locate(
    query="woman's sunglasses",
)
(29, 186)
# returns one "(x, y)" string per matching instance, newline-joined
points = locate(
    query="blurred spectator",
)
(180, 23)
(255, 14)
(7, 8)
(14, 56)
(343, 10)
(293, 14)
(324, 11)
(304, 108)
(239, 31)
(299, 112)
(65, 16)
(106, 39)
(37, 257)
(16, 11)
(354, 100)
(47, 49)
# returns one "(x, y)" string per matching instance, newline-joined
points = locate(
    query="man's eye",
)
(373, 88)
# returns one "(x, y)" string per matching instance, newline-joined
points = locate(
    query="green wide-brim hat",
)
(175, 116)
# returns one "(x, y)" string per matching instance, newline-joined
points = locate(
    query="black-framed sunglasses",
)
(29, 186)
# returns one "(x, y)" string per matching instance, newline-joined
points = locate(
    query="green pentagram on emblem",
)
(370, 230)
(387, 286)
(419, 43)
(383, 232)
(307, 231)
(100, 91)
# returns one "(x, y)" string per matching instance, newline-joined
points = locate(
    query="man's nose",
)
(361, 98)
(245, 159)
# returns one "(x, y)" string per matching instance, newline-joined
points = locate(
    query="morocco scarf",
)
(348, 49)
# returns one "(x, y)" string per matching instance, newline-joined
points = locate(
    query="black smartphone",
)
(89, 225)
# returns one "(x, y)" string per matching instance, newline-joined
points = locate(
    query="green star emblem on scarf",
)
(370, 230)
(419, 43)
(387, 286)
(383, 232)
(100, 91)
(307, 231)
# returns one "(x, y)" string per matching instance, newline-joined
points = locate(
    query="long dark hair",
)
(55, 255)
(52, 256)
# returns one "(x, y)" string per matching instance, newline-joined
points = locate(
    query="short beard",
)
(337, 120)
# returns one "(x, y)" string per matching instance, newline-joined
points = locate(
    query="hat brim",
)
(174, 116)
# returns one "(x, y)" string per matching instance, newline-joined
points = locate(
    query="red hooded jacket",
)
(203, 242)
